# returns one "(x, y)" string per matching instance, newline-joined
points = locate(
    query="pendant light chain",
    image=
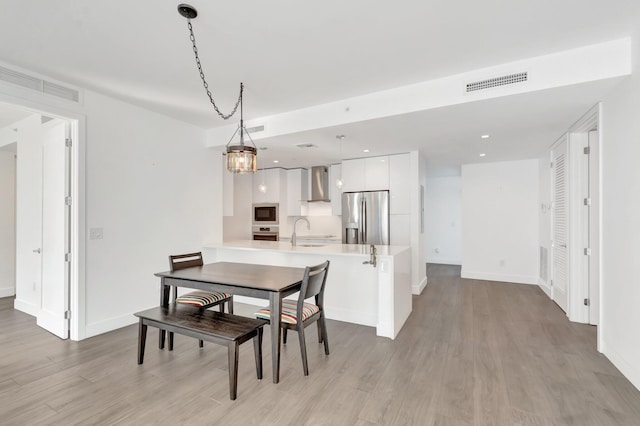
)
(204, 81)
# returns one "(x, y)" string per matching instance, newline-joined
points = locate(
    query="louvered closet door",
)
(560, 224)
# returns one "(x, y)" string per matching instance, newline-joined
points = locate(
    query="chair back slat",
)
(314, 280)
(182, 261)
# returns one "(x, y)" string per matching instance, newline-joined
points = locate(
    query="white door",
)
(594, 228)
(55, 229)
(560, 271)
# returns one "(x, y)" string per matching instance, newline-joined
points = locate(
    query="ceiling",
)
(293, 54)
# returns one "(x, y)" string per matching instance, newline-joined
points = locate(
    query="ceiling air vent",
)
(42, 86)
(255, 129)
(505, 80)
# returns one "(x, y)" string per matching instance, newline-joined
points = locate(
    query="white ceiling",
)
(294, 54)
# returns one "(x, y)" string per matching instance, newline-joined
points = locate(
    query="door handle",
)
(37, 251)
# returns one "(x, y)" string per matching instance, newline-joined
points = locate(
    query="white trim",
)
(544, 286)
(111, 324)
(626, 368)
(417, 289)
(27, 308)
(445, 261)
(517, 279)
(7, 291)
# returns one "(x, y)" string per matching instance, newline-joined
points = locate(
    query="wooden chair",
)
(199, 299)
(296, 315)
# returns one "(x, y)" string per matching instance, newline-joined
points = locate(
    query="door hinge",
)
(551, 283)
(67, 314)
(551, 165)
(67, 201)
(586, 302)
(67, 257)
(587, 201)
(587, 252)
(68, 143)
(587, 150)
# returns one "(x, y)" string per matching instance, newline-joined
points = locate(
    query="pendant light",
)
(241, 157)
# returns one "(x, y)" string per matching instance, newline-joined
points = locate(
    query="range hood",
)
(319, 184)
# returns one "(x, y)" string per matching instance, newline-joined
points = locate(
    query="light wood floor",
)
(472, 352)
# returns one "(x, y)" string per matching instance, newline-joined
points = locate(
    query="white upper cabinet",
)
(399, 183)
(297, 191)
(335, 173)
(365, 174)
(274, 185)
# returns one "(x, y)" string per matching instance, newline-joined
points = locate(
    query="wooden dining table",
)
(260, 281)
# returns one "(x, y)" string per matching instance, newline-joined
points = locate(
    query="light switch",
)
(95, 233)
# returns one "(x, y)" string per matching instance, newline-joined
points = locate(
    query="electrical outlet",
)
(95, 233)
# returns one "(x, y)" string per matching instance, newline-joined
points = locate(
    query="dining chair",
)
(298, 314)
(200, 299)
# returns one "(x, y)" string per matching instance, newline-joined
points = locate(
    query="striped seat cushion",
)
(202, 298)
(289, 308)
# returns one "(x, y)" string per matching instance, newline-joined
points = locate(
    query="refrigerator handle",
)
(364, 221)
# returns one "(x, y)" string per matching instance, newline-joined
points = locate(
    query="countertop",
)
(329, 249)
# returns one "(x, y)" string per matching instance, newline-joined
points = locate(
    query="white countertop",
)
(329, 249)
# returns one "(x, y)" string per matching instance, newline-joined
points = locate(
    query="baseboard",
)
(110, 324)
(417, 289)
(27, 308)
(517, 279)
(354, 317)
(545, 287)
(441, 261)
(628, 370)
(7, 291)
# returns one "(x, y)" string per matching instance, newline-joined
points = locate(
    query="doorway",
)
(45, 222)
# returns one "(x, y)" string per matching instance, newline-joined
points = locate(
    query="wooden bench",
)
(217, 327)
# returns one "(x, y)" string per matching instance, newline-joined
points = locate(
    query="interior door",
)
(55, 229)
(560, 270)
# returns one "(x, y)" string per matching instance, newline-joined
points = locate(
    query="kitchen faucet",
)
(293, 236)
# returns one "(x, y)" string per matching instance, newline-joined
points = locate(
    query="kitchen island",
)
(355, 292)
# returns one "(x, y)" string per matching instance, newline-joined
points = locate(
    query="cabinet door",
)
(335, 173)
(297, 191)
(399, 172)
(259, 178)
(353, 175)
(376, 176)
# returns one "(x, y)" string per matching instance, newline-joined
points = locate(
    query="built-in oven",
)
(265, 233)
(265, 214)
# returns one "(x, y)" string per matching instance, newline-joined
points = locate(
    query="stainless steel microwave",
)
(265, 214)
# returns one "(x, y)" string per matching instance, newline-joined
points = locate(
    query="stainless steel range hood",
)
(320, 183)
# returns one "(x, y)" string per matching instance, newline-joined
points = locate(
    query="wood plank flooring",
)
(472, 353)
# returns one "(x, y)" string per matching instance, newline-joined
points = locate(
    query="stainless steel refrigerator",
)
(365, 217)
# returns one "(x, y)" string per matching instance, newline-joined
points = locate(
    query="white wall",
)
(238, 226)
(7, 223)
(500, 221)
(443, 215)
(155, 190)
(620, 286)
(418, 235)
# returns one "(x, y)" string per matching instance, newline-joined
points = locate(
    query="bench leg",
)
(142, 339)
(257, 349)
(233, 369)
(161, 336)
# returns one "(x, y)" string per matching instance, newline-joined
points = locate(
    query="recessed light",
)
(485, 136)
(365, 150)
(340, 137)
(276, 161)
(483, 155)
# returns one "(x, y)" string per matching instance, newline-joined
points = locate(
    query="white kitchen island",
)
(379, 297)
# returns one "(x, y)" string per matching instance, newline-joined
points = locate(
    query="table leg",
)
(275, 301)
(164, 301)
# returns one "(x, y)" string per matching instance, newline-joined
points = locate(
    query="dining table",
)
(272, 283)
